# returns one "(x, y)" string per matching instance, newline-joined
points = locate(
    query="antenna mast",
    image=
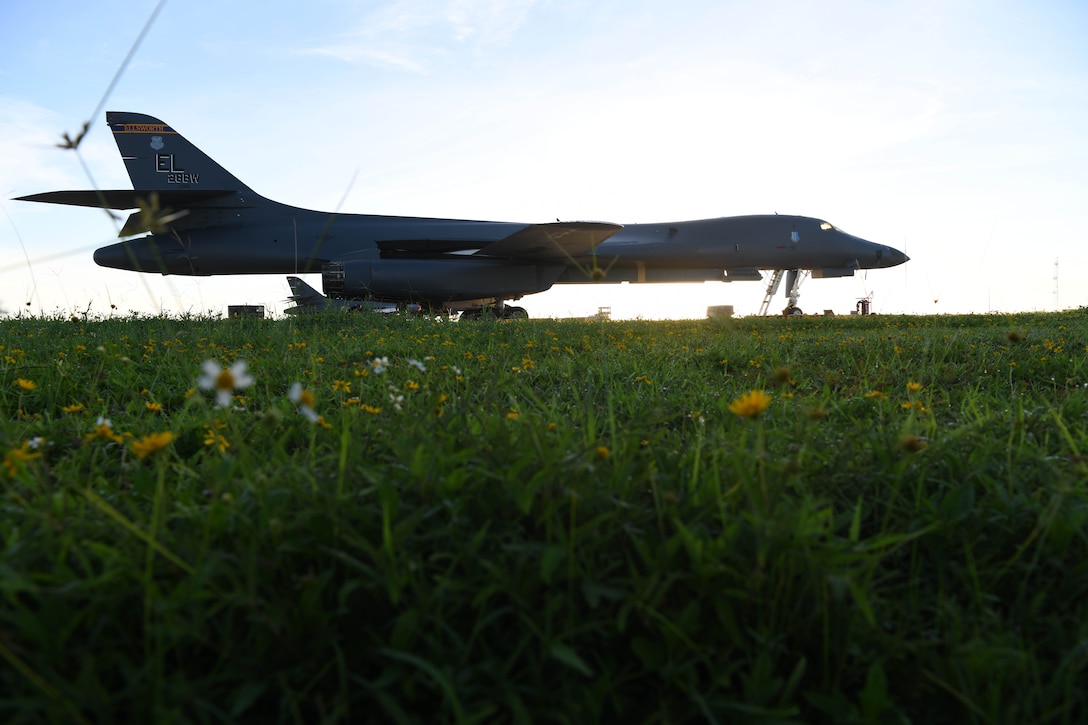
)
(1057, 305)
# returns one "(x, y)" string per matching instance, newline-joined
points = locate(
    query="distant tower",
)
(1057, 304)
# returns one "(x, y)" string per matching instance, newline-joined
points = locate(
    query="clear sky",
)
(954, 130)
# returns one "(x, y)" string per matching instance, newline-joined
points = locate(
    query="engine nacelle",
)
(435, 280)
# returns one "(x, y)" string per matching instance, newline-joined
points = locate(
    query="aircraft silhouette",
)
(308, 301)
(198, 219)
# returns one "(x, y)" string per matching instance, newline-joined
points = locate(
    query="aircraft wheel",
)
(792, 312)
(479, 313)
(516, 313)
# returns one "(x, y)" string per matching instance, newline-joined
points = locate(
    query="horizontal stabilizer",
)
(127, 198)
(557, 242)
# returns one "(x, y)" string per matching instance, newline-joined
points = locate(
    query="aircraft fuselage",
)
(297, 241)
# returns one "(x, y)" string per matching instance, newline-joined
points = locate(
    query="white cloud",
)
(487, 22)
(414, 35)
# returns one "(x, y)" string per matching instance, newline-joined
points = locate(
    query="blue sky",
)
(953, 130)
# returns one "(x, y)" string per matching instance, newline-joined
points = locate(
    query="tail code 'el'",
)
(158, 158)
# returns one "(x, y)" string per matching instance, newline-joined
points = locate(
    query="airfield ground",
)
(395, 519)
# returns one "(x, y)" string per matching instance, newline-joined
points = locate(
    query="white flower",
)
(304, 399)
(379, 364)
(418, 365)
(224, 381)
(396, 400)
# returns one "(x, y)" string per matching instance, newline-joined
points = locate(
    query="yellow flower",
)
(152, 442)
(73, 408)
(876, 394)
(153, 407)
(913, 386)
(16, 457)
(26, 384)
(342, 386)
(603, 453)
(103, 428)
(513, 415)
(370, 409)
(211, 438)
(751, 404)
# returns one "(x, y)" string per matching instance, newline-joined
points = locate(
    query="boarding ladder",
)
(772, 289)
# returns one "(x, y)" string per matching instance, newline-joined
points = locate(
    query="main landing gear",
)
(499, 311)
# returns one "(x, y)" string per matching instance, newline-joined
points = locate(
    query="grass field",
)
(396, 519)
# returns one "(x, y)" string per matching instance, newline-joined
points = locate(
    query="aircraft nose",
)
(873, 255)
(896, 257)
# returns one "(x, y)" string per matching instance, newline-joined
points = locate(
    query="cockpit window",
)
(826, 226)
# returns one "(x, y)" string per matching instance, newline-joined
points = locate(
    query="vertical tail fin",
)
(308, 300)
(158, 158)
(303, 293)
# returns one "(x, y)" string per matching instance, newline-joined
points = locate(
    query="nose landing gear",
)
(794, 278)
